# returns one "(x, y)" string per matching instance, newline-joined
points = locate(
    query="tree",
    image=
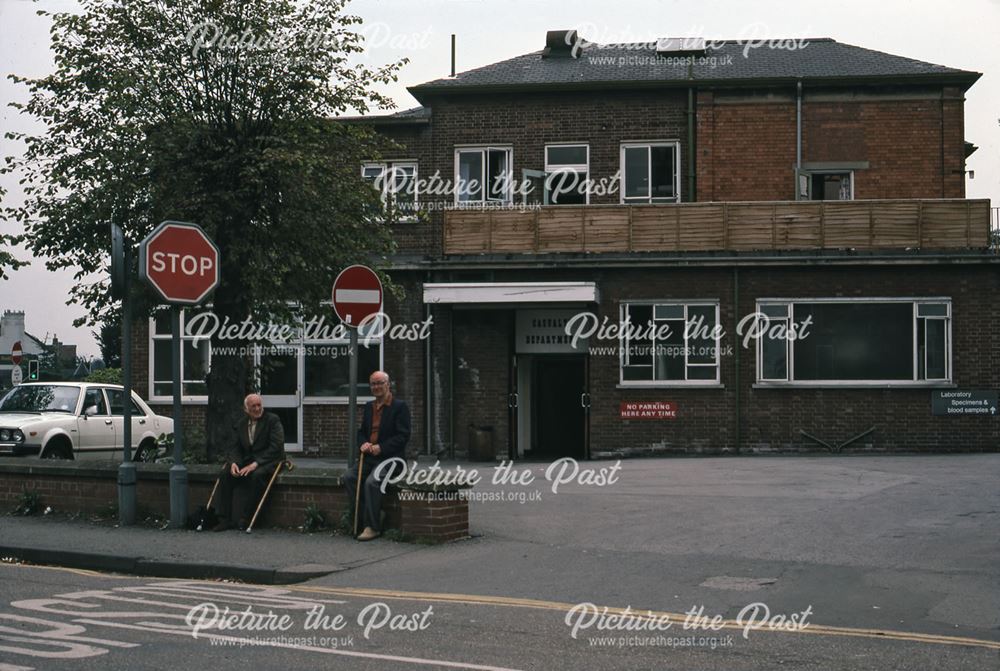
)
(109, 338)
(219, 112)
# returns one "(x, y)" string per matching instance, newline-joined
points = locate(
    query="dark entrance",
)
(559, 418)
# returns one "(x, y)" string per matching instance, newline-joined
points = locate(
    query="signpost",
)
(16, 376)
(182, 264)
(121, 264)
(357, 295)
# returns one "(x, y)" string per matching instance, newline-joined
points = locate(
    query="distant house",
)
(819, 189)
(11, 332)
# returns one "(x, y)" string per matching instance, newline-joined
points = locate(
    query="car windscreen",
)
(40, 398)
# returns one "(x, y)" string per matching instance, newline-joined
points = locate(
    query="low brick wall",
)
(90, 487)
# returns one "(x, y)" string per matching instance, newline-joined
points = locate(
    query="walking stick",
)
(266, 492)
(357, 492)
(211, 497)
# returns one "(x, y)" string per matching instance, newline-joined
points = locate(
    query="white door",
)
(280, 375)
(97, 430)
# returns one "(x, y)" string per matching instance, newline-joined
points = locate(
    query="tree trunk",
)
(229, 380)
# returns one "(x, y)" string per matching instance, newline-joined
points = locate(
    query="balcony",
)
(729, 226)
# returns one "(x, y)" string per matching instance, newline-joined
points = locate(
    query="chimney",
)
(561, 44)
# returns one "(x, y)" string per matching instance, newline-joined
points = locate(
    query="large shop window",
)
(567, 168)
(650, 172)
(870, 341)
(196, 359)
(669, 343)
(484, 175)
(396, 183)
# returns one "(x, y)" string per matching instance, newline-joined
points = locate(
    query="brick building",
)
(667, 198)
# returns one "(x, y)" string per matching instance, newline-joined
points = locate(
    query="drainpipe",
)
(691, 159)
(451, 382)
(736, 350)
(428, 387)
(798, 137)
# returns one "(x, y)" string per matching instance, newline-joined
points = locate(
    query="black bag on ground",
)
(205, 517)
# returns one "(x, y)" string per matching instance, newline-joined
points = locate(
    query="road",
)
(861, 563)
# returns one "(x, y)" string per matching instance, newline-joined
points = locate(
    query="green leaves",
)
(217, 112)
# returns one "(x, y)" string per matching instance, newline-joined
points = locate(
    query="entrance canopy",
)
(510, 292)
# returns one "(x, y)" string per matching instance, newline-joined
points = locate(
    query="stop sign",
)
(357, 294)
(180, 262)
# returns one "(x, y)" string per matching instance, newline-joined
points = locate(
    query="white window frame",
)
(623, 349)
(296, 341)
(508, 198)
(335, 342)
(790, 381)
(638, 144)
(389, 186)
(810, 173)
(152, 337)
(553, 168)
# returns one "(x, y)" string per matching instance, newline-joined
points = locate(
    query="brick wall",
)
(770, 418)
(70, 487)
(913, 142)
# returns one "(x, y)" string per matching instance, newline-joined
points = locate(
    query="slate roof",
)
(607, 66)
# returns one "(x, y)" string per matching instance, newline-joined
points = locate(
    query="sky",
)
(958, 34)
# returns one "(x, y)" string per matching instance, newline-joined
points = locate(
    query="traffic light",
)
(33, 371)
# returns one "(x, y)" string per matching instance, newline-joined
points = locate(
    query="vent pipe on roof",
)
(561, 44)
(453, 54)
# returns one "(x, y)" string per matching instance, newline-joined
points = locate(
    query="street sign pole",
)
(178, 472)
(352, 399)
(181, 264)
(121, 265)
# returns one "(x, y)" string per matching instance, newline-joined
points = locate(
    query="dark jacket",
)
(268, 442)
(393, 430)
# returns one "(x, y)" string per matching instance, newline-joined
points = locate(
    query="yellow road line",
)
(514, 602)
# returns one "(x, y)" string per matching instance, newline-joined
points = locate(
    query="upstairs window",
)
(827, 185)
(567, 169)
(396, 183)
(650, 172)
(484, 175)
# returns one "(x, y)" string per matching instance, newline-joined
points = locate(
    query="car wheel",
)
(146, 452)
(57, 450)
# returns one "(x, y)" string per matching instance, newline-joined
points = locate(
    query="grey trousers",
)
(371, 498)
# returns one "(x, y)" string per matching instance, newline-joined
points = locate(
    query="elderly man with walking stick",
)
(384, 434)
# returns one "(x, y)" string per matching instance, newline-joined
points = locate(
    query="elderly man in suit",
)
(384, 433)
(260, 447)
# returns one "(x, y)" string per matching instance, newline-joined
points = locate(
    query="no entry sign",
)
(180, 262)
(357, 294)
(15, 353)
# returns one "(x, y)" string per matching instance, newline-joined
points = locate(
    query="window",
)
(869, 341)
(94, 398)
(115, 398)
(650, 172)
(396, 182)
(484, 175)
(670, 343)
(326, 364)
(567, 168)
(827, 185)
(195, 359)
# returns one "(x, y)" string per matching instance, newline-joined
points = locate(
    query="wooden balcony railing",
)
(730, 226)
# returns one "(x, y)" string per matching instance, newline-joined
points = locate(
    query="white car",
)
(76, 420)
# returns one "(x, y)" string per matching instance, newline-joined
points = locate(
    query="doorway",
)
(556, 422)
(278, 368)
